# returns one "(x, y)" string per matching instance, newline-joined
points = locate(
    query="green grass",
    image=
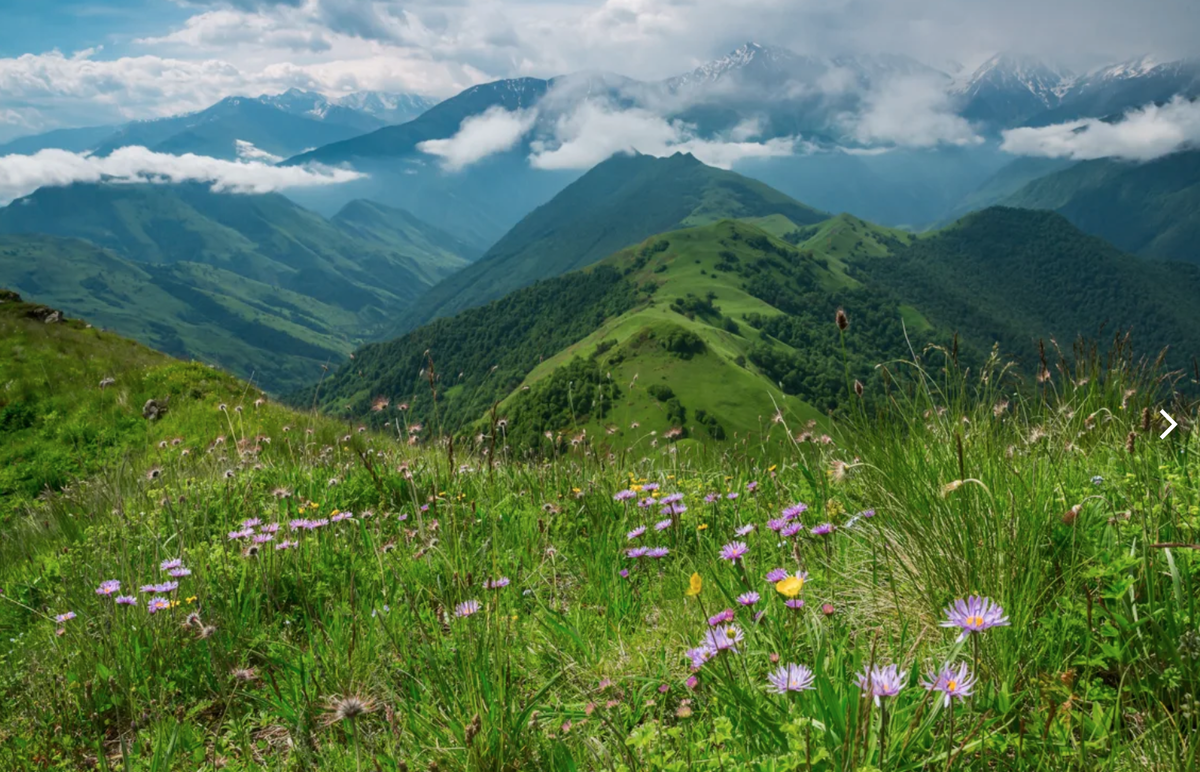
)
(1061, 505)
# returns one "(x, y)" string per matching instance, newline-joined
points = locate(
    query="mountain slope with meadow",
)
(618, 203)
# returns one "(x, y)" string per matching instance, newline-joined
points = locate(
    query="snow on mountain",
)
(1013, 74)
(367, 110)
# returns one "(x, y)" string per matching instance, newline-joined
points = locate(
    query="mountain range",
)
(254, 283)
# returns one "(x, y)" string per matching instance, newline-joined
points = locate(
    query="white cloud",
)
(493, 131)
(1141, 135)
(20, 175)
(248, 152)
(909, 112)
(594, 131)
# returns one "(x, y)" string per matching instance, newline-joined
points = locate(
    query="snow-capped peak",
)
(1013, 72)
(1134, 68)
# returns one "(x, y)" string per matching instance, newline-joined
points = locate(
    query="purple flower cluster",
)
(881, 681)
(974, 615)
(734, 551)
(790, 678)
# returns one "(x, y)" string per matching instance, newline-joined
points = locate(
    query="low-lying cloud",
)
(910, 112)
(1141, 135)
(247, 151)
(492, 131)
(21, 175)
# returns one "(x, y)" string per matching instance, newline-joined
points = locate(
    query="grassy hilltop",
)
(310, 595)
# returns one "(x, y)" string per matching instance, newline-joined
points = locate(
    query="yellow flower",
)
(174, 603)
(695, 584)
(670, 477)
(702, 526)
(790, 587)
(576, 490)
(773, 467)
(191, 599)
(635, 488)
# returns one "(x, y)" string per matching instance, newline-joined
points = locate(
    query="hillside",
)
(1012, 277)
(1004, 183)
(685, 330)
(1151, 209)
(254, 283)
(618, 203)
(436, 252)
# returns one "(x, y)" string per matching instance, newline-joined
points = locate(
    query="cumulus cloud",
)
(1140, 135)
(595, 130)
(493, 131)
(20, 175)
(909, 112)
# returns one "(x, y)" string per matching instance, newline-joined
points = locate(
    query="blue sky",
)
(152, 58)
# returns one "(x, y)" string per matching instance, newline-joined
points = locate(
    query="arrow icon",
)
(1170, 428)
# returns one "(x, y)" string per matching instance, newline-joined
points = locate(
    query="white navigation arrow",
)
(1170, 428)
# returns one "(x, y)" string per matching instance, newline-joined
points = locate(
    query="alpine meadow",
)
(574, 385)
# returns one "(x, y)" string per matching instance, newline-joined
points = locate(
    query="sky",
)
(89, 62)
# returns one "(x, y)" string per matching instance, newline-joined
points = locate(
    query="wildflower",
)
(725, 638)
(752, 486)
(623, 573)
(777, 575)
(648, 487)
(791, 529)
(827, 609)
(243, 534)
(284, 545)
(253, 522)
(657, 552)
(167, 565)
(974, 615)
(745, 530)
(108, 587)
(794, 603)
(700, 655)
(157, 604)
(180, 572)
(711, 498)
(672, 498)
(748, 598)
(721, 617)
(734, 551)
(467, 608)
(695, 585)
(496, 584)
(732, 495)
(790, 678)
(824, 529)
(636, 532)
(624, 495)
(126, 600)
(663, 525)
(881, 681)
(646, 503)
(244, 674)
(674, 509)
(794, 511)
(340, 516)
(692, 682)
(348, 708)
(777, 524)
(263, 538)
(270, 528)
(636, 552)
(792, 585)
(952, 682)
(841, 320)
(65, 617)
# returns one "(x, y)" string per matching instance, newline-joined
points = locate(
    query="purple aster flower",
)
(126, 600)
(776, 575)
(636, 532)
(657, 552)
(674, 509)
(794, 511)
(732, 495)
(647, 502)
(794, 603)
(297, 524)
(721, 617)
(624, 573)
(700, 655)
(636, 552)
(711, 498)
(108, 587)
(624, 495)
(496, 584)
(160, 588)
(315, 524)
(466, 608)
(692, 682)
(745, 530)
(867, 513)
(251, 523)
(167, 565)
(650, 487)
(263, 538)
(974, 615)
(952, 682)
(180, 572)
(880, 681)
(824, 529)
(270, 528)
(286, 545)
(791, 529)
(776, 524)
(752, 486)
(663, 525)
(734, 551)
(724, 638)
(790, 678)
(156, 605)
(748, 598)
(242, 534)
(671, 498)
(65, 617)
(340, 516)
